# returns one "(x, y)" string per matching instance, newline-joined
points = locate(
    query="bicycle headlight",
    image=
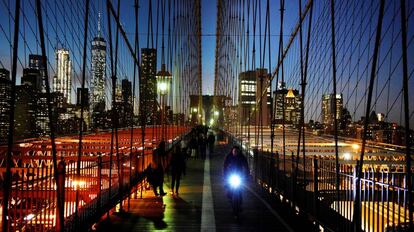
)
(235, 180)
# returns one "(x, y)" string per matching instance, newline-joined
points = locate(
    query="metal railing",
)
(308, 187)
(103, 182)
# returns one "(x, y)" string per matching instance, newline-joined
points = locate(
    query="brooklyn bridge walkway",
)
(201, 205)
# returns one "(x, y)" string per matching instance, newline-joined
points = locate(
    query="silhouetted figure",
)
(202, 146)
(155, 174)
(193, 147)
(235, 162)
(177, 168)
(211, 139)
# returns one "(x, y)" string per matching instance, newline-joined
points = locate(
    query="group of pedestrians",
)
(156, 170)
(198, 143)
(194, 148)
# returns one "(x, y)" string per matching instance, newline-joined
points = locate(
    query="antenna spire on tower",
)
(99, 24)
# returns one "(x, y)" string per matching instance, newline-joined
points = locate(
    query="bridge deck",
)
(191, 210)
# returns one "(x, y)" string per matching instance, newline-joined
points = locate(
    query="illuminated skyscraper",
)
(5, 88)
(290, 100)
(62, 81)
(251, 87)
(328, 102)
(127, 102)
(35, 62)
(148, 71)
(42, 118)
(98, 71)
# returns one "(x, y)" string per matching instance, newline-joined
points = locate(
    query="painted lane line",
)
(208, 222)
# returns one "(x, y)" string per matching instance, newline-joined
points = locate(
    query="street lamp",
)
(163, 81)
(162, 87)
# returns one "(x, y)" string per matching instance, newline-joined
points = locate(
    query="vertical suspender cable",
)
(78, 163)
(136, 49)
(60, 203)
(282, 10)
(357, 201)
(115, 112)
(7, 181)
(305, 75)
(334, 104)
(302, 89)
(113, 92)
(409, 200)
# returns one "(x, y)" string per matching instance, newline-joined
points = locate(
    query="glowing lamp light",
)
(195, 110)
(162, 86)
(355, 146)
(235, 181)
(347, 156)
(78, 184)
(29, 217)
(163, 78)
(216, 113)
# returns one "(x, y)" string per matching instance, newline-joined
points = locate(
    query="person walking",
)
(202, 146)
(156, 170)
(211, 139)
(178, 167)
(193, 147)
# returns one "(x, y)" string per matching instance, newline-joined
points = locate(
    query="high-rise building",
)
(82, 97)
(251, 87)
(62, 81)
(42, 117)
(148, 71)
(5, 89)
(33, 78)
(35, 62)
(289, 100)
(98, 71)
(25, 112)
(127, 102)
(126, 91)
(328, 103)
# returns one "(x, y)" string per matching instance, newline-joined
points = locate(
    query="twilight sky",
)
(356, 21)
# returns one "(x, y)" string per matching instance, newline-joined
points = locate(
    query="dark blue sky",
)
(356, 22)
(57, 26)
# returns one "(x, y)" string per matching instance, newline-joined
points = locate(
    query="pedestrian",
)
(178, 167)
(193, 147)
(184, 146)
(202, 146)
(155, 174)
(211, 139)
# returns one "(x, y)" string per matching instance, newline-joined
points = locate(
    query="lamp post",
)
(163, 80)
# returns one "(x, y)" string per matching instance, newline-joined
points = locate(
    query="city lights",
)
(347, 156)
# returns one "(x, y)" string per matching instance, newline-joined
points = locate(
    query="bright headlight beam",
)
(235, 181)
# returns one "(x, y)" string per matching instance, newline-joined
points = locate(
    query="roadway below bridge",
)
(201, 205)
(386, 157)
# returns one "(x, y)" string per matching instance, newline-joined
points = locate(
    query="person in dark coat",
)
(193, 147)
(211, 139)
(155, 175)
(235, 161)
(202, 146)
(178, 167)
